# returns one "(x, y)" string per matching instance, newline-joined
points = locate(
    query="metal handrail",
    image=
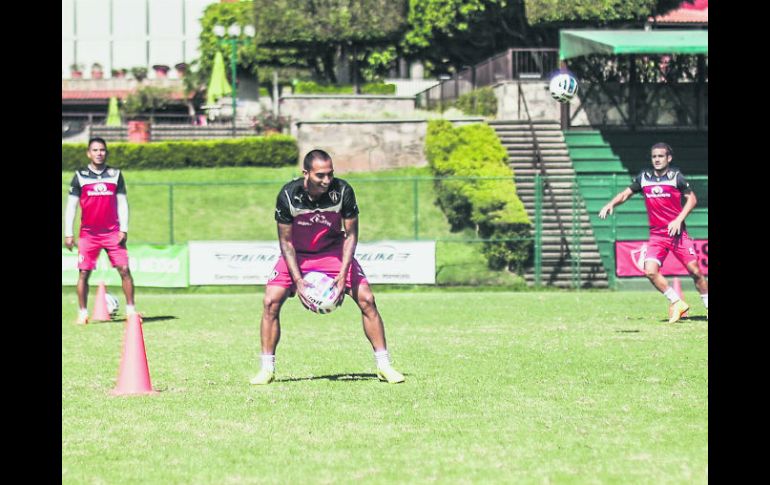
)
(537, 163)
(512, 72)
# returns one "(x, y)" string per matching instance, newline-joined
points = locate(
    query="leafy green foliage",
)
(478, 102)
(145, 101)
(271, 151)
(599, 12)
(312, 87)
(490, 205)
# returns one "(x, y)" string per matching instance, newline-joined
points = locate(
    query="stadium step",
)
(558, 220)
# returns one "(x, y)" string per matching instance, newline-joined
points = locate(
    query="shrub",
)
(272, 151)
(489, 206)
(478, 102)
(311, 87)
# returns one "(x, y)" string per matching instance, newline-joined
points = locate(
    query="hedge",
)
(310, 87)
(489, 206)
(264, 151)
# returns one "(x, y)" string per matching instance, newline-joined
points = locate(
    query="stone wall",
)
(357, 146)
(539, 101)
(301, 107)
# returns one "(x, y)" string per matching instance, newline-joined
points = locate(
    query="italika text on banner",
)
(252, 262)
(630, 255)
(161, 266)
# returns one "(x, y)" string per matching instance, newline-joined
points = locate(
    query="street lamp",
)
(234, 32)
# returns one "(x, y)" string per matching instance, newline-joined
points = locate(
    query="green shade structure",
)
(575, 43)
(113, 114)
(218, 84)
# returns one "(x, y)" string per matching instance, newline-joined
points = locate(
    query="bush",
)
(311, 87)
(489, 206)
(272, 151)
(478, 102)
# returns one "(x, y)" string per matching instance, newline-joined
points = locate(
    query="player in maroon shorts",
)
(663, 188)
(101, 192)
(317, 218)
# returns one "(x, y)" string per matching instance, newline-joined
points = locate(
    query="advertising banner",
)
(251, 262)
(161, 266)
(629, 259)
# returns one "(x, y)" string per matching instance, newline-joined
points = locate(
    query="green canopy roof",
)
(575, 43)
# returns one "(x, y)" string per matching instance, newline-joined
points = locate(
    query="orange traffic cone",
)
(678, 290)
(100, 304)
(134, 375)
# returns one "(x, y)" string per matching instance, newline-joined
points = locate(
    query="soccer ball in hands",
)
(112, 304)
(563, 87)
(321, 294)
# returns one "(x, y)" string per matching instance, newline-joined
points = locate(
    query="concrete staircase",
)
(561, 227)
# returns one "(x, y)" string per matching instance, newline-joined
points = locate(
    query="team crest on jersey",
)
(84, 172)
(671, 175)
(334, 196)
(111, 172)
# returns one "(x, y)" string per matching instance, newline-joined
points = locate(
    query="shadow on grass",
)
(159, 318)
(145, 320)
(697, 318)
(333, 377)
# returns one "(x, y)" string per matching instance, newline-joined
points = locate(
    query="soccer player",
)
(663, 188)
(317, 218)
(101, 192)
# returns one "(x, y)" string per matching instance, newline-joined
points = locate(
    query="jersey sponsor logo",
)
(320, 219)
(100, 189)
(657, 192)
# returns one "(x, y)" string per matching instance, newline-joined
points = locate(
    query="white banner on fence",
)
(251, 262)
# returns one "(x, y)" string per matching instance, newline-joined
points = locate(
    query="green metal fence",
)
(402, 208)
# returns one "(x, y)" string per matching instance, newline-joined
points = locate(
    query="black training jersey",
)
(316, 225)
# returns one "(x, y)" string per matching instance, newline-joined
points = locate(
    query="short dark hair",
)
(97, 139)
(665, 146)
(307, 164)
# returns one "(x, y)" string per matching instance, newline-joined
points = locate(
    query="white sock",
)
(705, 298)
(268, 362)
(671, 295)
(83, 312)
(130, 309)
(382, 358)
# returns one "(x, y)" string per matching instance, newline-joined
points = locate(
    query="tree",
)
(450, 34)
(327, 33)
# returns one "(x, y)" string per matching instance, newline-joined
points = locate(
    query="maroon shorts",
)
(89, 246)
(681, 246)
(328, 264)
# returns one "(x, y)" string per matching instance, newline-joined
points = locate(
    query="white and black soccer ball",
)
(112, 304)
(563, 87)
(321, 294)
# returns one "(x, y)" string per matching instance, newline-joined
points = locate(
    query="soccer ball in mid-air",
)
(112, 304)
(563, 87)
(321, 294)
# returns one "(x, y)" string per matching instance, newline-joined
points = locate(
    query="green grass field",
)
(502, 387)
(238, 203)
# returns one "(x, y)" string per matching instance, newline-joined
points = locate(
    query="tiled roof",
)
(687, 13)
(106, 94)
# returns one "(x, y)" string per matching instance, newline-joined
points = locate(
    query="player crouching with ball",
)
(317, 218)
